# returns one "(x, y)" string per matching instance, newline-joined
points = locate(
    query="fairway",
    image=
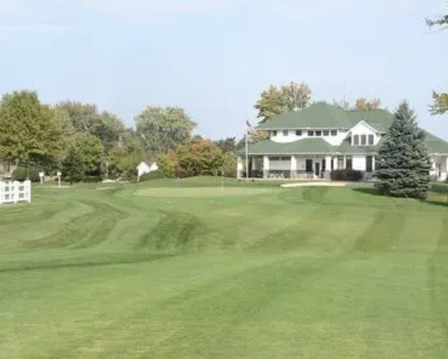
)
(202, 192)
(185, 269)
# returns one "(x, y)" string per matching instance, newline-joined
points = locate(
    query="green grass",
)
(184, 269)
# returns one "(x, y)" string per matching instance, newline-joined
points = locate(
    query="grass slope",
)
(184, 269)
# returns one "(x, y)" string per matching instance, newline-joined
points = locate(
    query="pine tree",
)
(73, 167)
(403, 163)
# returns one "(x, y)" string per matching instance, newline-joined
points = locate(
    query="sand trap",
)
(329, 184)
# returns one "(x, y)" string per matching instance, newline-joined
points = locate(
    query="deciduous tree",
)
(199, 157)
(91, 151)
(363, 104)
(440, 100)
(287, 98)
(28, 129)
(163, 129)
(403, 164)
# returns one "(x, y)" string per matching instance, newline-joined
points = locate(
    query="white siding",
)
(336, 140)
(280, 165)
(301, 164)
(359, 163)
(291, 136)
(361, 129)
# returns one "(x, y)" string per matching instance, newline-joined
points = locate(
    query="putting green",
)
(202, 192)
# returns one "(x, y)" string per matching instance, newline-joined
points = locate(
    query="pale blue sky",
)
(214, 57)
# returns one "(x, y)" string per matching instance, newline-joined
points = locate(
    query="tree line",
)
(87, 144)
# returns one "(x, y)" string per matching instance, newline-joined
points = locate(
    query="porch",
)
(439, 167)
(302, 167)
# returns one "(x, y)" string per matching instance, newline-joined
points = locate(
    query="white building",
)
(143, 168)
(311, 143)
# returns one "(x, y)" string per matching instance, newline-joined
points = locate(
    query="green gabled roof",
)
(380, 120)
(319, 115)
(322, 115)
(305, 146)
(435, 144)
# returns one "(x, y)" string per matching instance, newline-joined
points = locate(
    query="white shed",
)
(143, 168)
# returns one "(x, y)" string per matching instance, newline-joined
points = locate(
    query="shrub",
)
(20, 174)
(92, 179)
(153, 176)
(346, 175)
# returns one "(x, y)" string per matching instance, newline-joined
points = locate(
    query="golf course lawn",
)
(190, 269)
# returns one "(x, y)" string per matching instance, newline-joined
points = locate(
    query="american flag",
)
(250, 129)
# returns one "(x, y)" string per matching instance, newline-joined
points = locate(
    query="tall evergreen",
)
(403, 164)
(73, 166)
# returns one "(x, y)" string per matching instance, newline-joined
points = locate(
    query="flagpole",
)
(247, 153)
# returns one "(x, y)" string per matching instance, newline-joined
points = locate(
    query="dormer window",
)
(318, 133)
(285, 133)
(310, 133)
(334, 132)
(299, 133)
(326, 133)
(363, 140)
(274, 133)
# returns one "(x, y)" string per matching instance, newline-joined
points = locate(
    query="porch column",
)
(265, 166)
(335, 162)
(239, 167)
(345, 163)
(328, 160)
(293, 167)
(373, 163)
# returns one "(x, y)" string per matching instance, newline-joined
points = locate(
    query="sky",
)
(214, 57)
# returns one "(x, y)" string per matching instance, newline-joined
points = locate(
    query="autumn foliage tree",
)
(440, 100)
(287, 98)
(364, 104)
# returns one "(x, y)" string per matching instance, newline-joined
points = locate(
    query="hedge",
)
(346, 175)
(20, 174)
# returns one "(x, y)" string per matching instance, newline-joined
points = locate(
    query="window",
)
(356, 140)
(318, 133)
(310, 133)
(309, 165)
(274, 133)
(285, 133)
(371, 140)
(326, 133)
(369, 163)
(298, 132)
(349, 163)
(334, 132)
(340, 162)
(363, 140)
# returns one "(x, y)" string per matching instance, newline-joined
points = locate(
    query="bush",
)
(92, 179)
(20, 174)
(153, 176)
(346, 175)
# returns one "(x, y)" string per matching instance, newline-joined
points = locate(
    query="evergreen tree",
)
(73, 167)
(403, 163)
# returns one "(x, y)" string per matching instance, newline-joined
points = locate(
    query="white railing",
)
(13, 191)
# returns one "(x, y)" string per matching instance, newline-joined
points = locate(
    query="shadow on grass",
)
(436, 203)
(368, 191)
(87, 262)
(372, 192)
